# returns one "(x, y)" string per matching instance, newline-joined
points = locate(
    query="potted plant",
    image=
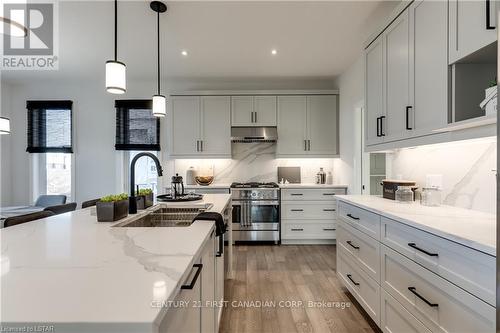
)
(112, 207)
(144, 198)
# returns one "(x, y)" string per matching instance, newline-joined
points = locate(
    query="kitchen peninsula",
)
(79, 275)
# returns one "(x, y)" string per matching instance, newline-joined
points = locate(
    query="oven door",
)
(256, 215)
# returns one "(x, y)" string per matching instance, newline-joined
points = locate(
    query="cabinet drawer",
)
(395, 318)
(363, 248)
(307, 210)
(311, 194)
(471, 270)
(438, 304)
(361, 286)
(361, 219)
(291, 230)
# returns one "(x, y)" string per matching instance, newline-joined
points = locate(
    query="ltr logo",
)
(39, 19)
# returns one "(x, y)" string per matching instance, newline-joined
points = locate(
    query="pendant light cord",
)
(116, 30)
(158, 22)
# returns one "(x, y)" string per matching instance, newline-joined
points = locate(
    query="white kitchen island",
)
(80, 275)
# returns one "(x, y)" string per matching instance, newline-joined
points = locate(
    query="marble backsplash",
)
(251, 162)
(468, 170)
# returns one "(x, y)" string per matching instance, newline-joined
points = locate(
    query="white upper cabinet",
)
(185, 122)
(307, 126)
(322, 124)
(200, 126)
(398, 109)
(472, 26)
(374, 91)
(215, 125)
(406, 76)
(265, 110)
(292, 131)
(428, 65)
(253, 111)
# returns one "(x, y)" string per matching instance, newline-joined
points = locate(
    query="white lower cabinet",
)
(437, 303)
(198, 293)
(363, 248)
(426, 283)
(309, 215)
(394, 318)
(365, 289)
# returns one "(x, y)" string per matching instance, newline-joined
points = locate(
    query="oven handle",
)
(257, 203)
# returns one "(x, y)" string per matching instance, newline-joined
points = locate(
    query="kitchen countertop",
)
(471, 228)
(218, 185)
(303, 185)
(82, 275)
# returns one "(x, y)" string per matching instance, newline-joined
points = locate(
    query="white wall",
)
(5, 154)
(351, 90)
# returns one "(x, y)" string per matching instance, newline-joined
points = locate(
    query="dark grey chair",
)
(50, 200)
(90, 203)
(61, 209)
(10, 221)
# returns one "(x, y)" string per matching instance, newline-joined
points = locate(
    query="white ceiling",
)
(232, 39)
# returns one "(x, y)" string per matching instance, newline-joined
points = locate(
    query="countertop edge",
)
(486, 249)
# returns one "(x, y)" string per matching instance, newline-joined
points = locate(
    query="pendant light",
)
(15, 29)
(4, 125)
(159, 101)
(116, 70)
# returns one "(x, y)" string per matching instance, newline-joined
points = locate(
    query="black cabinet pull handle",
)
(350, 278)
(378, 127)
(328, 210)
(297, 210)
(414, 292)
(382, 126)
(408, 117)
(488, 18)
(353, 217)
(297, 229)
(199, 267)
(354, 246)
(328, 193)
(413, 245)
(327, 229)
(295, 194)
(305, 145)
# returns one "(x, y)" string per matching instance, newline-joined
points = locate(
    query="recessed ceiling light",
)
(184, 53)
(274, 52)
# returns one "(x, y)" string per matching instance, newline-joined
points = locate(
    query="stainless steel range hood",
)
(254, 134)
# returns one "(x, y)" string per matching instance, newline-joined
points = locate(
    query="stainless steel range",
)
(256, 212)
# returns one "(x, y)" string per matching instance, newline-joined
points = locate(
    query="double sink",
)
(167, 217)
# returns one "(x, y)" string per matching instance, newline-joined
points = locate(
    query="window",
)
(50, 140)
(136, 127)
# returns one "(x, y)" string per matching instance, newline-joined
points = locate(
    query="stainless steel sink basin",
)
(166, 217)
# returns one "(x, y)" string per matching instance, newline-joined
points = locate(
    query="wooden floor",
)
(287, 272)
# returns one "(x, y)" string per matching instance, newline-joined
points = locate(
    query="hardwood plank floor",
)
(280, 275)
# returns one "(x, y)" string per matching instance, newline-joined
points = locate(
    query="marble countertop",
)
(84, 275)
(471, 228)
(216, 185)
(305, 185)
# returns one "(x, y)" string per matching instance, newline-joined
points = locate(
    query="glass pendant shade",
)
(115, 77)
(159, 106)
(4, 125)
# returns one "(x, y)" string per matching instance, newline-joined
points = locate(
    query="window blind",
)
(136, 127)
(50, 127)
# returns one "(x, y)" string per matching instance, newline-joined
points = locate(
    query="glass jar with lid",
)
(404, 194)
(431, 196)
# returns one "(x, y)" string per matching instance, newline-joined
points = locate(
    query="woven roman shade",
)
(50, 127)
(136, 127)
